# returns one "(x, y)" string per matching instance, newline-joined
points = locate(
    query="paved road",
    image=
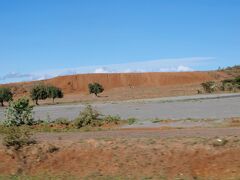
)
(203, 106)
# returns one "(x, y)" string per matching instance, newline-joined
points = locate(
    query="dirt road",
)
(140, 133)
(202, 106)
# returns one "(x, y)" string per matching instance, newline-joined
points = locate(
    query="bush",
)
(131, 121)
(209, 86)
(88, 117)
(5, 95)
(18, 113)
(95, 88)
(237, 80)
(62, 121)
(112, 119)
(54, 92)
(228, 86)
(17, 137)
(38, 92)
(231, 84)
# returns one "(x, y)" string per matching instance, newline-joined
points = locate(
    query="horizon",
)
(42, 39)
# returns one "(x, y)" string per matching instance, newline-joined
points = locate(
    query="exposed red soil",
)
(120, 86)
(194, 154)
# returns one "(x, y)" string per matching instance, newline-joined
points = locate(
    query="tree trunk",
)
(96, 94)
(53, 100)
(37, 102)
(2, 103)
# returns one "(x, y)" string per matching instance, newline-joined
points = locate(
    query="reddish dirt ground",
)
(124, 86)
(152, 154)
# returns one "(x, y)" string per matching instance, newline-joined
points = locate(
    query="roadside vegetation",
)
(227, 85)
(19, 114)
(17, 133)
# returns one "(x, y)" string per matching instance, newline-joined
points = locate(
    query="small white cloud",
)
(14, 75)
(183, 68)
(101, 70)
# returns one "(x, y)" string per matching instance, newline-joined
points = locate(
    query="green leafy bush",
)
(18, 113)
(62, 121)
(5, 95)
(228, 87)
(112, 119)
(231, 84)
(131, 121)
(209, 86)
(17, 137)
(88, 117)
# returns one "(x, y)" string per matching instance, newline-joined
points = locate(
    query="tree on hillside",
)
(54, 92)
(5, 95)
(95, 88)
(38, 92)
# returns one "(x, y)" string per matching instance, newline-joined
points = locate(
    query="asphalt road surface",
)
(201, 106)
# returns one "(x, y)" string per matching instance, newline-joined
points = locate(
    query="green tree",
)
(95, 88)
(19, 113)
(54, 92)
(5, 95)
(39, 92)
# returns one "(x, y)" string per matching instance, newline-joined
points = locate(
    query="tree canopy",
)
(54, 92)
(38, 92)
(95, 88)
(5, 95)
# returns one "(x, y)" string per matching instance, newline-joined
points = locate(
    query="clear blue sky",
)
(39, 35)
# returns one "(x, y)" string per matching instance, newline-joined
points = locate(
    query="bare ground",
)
(204, 153)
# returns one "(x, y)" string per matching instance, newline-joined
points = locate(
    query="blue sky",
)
(45, 38)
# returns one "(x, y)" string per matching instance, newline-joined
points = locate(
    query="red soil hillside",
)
(110, 81)
(78, 84)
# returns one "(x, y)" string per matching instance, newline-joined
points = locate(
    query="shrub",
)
(5, 95)
(88, 116)
(225, 81)
(17, 137)
(112, 119)
(220, 142)
(95, 88)
(62, 121)
(54, 92)
(231, 84)
(18, 113)
(38, 92)
(237, 80)
(131, 121)
(209, 86)
(228, 86)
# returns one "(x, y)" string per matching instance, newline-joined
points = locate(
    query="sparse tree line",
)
(37, 92)
(230, 85)
(43, 92)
